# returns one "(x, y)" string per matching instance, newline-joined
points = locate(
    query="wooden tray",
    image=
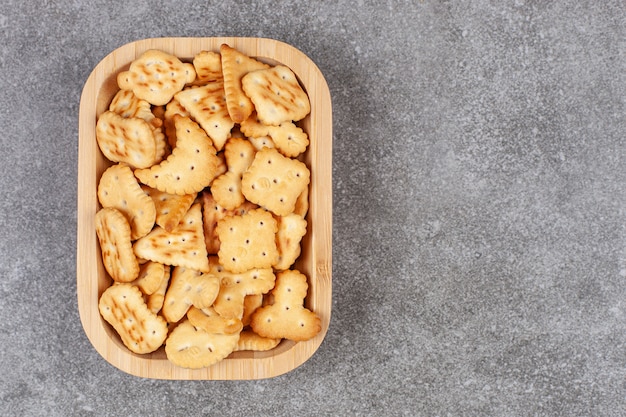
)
(316, 258)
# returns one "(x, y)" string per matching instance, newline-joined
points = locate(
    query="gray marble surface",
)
(479, 208)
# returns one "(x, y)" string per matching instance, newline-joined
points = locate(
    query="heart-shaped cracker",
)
(276, 94)
(234, 66)
(234, 287)
(113, 233)
(274, 181)
(188, 288)
(207, 106)
(130, 140)
(247, 241)
(287, 317)
(170, 208)
(184, 246)
(118, 188)
(156, 76)
(191, 347)
(190, 168)
(141, 330)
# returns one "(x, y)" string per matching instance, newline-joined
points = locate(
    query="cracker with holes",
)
(208, 66)
(124, 308)
(118, 188)
(249, 340)
(287, 317)
(247, 241)
(113, 233)
(235, 65)
(234, 287)
(192, 347)
(289, 139)
(274, 181)
(191, 166)
(226, 188)
(207, 106)
(156, 76)
(291, 230)
(276, 94)
(211, 321)
(150, 277)
(187, 288)
(170, 208)
(184, 246)
(212, 212)
(130, 140)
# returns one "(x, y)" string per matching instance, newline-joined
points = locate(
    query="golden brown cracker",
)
(226, 188)
(274, 181)
(249, 340)
(156, 76)
(247, 241)
(211, 321)
(184, 246)
(190, 168)
(118, 188)
(291, 230)
(287, 317)
(208, 66)
(150, 277)
(113, 233)
(155, 300)
(234, 66)
(276, 94)
(187, 288)
(129, 140)
(170, 208)
(124, 308)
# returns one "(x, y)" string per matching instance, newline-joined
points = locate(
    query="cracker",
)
(192, 165)
(250, 303)
(184, 246)
(261, 142)
(226, 188)
(234, 287)
(156, 76)
(207, 106)
(118, 188)
(234, 66)
(247, 241)
(208, 66)
(211, 321)
(127, 104)
(291, 230)
(188, 288)
(249, 340)
(155, 300)
(287, 317)
(129, 140)
(289, 139)
(212, 212)
(123, 307)
(191, 347)
(113, 233)
(170, 208)
(150, 277)
(171, 109)
(274, 181)
(276, 94)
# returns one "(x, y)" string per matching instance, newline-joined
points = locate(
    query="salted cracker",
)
(234, 66)
(277, 95)
(113, 233)
(208, 66)
(287, 317)
(118, 188)
(151, 275)
(249, 340)
(130, 140)
(170, 208)
(274, 181)
(141, 330)
(192, 165)
(184, 246)
(156, 76)
(187, 288)
(247, 241)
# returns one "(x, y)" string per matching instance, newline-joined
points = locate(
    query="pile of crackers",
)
(203, 209)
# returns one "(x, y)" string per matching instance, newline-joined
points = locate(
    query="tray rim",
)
(245, 365)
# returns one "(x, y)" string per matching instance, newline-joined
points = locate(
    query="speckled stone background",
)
(479, 208)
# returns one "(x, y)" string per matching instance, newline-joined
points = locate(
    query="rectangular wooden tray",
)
(316, 258)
